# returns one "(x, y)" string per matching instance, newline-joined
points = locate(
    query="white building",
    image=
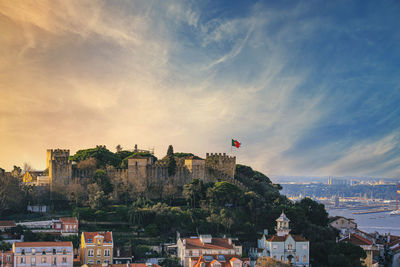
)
(205, 245)
(284, 246)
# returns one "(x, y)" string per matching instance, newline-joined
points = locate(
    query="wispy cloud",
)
(304, 92)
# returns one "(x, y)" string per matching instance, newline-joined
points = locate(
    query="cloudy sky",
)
(308, 87)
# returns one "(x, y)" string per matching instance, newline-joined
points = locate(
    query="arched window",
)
(23, 251)
(64, 251)
(290, 246)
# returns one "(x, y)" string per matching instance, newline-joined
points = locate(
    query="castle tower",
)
(282, 227)
(222, 163)
(196, 167)
(59, 165)
(138, 171)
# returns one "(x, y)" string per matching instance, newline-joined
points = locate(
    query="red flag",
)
(235, 143)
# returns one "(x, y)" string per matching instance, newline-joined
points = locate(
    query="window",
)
(236, 264)
(8, 258)
(99, 242)
(274, 257)
(297, 258)
(107, 261)
(33, 261)
(190, 253)
(54, 251)
(289, 246)
(305, 246)
(282, 258)
(98, 262)
(23, 252)
(22, 260)
(64, 260)
(33, 251)
(304, 258)
(89, 240)
(54, 261)
(64, 251)
(99, 252)
(90, 252)
(43, 259)
(106, 252)
(275, 247)
(44, 252)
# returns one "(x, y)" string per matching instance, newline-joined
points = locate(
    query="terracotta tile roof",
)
(357, 240)
(69, 219)
(226, 263)
(216, 243)
(297, 238)
(43, 244)
(91, 235)
(123, 265)
(7, 224)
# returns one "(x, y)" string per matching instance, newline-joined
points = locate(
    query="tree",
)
(76, 194)
(27, 167)
(118, 148)
(101, 178)
(194, 192)
(96, 196)
(11, 195)
(16, 172)
(171, 163)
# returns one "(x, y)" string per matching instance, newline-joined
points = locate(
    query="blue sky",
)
(308, 87)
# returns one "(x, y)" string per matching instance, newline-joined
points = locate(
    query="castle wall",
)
(59, 165)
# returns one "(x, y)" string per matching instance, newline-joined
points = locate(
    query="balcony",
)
(290, 250)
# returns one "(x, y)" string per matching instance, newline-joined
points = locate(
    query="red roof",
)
(216, 243)
(90, 235)
(124, 265)
(7, 224)
(297, 238)
(43, 244)
(357, 240)
(69, 220)
(226, 263)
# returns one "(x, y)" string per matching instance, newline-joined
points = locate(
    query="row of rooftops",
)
(217, 260)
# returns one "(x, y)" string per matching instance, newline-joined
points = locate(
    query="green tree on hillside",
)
(171, 162)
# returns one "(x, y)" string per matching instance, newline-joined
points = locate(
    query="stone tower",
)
(222, 163)
(59, 165)
(196, 168)
(282, 227)
(138, 171)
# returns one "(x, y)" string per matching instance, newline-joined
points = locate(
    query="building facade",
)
(6, 258)
(43, 254)
(96, 248)
(205, 245)
(284, 246)
(344, 225)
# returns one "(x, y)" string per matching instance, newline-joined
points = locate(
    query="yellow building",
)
(96, 247)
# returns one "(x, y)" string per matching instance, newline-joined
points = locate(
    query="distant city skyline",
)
(308, 88)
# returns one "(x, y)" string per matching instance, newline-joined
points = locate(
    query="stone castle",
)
(144, 174)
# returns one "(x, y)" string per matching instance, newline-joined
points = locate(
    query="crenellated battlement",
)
(223, 155)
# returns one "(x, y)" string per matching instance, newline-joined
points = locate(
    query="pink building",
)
(6, 259)
(43, 254)
(66, 225)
